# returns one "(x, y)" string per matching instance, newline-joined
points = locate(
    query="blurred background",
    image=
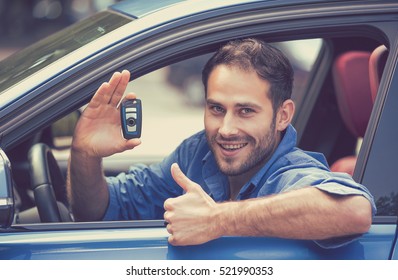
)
(23, 22)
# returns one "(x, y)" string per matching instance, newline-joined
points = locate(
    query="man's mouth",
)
(232, 147)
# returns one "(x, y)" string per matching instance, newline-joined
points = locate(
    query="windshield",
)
(30, 60)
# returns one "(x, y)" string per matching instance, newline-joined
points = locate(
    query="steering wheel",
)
(48, 184)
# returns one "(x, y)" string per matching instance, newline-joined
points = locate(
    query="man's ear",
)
(285, 115)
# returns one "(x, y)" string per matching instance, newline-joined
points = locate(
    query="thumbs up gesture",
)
(191, 217)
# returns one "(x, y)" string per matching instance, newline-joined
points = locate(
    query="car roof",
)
(140, 8)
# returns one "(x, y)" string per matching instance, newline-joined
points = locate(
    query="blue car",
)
(345, 56)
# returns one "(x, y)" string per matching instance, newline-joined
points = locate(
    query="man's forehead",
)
(238, 87)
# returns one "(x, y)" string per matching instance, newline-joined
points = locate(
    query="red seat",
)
(352, 87)
(377, 62)
(351, 80)
(357, 76)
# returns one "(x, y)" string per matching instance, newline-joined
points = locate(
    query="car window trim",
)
(85, 225)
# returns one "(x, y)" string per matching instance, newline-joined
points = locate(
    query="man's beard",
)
(261, 153)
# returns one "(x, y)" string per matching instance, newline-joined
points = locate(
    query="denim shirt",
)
(140, 193)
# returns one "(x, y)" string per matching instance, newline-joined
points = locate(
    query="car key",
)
(131, 118)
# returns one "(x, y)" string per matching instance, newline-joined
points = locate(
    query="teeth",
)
(233, 147)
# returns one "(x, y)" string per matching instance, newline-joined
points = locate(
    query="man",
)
(244, 175)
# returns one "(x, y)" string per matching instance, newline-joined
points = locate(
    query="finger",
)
(169, 228)
(180, 178)
(130, 96)
(113, 84)
(99, 97)
(120, 88)
(132, 143)
(172, 240)
(167, 205)
(105, 91)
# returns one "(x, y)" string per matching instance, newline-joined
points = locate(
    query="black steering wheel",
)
(48, 184)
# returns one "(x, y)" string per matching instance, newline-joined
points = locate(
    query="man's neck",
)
(237, 182)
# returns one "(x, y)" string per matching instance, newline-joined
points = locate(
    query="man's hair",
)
(268, 62)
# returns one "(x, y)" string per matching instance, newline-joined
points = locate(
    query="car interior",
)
(355, 100)
(346, 103)
(335, 126)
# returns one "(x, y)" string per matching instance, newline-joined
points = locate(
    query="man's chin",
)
(230, 170)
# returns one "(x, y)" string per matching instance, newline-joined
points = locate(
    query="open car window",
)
(173, 100)
(173, 106)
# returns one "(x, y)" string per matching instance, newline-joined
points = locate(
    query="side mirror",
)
(6, 192)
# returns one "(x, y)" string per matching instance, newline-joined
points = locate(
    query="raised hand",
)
(191, 217)
(98, 132)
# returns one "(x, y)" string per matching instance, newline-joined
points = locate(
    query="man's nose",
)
(228, 126)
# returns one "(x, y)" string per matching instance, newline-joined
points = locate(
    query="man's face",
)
(239, 120)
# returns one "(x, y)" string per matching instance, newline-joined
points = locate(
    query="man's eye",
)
(246, 111)
(217, 109)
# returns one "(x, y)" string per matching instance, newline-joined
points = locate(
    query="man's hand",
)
(98, 132)
(190, 217)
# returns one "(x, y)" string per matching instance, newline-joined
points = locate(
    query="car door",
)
(378, 168)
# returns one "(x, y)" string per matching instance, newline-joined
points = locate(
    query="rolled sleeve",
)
(344, 185)
(333, 183)
(341, 189)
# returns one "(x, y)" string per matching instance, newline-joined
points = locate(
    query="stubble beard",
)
(261, 153)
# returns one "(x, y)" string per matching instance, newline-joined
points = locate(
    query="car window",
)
(170, 113)
(380, 170)
(173, 99)
(173, 107)
(302, 55)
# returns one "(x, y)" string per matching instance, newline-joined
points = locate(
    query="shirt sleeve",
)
(334, 183)
(342, 184)
(140, 193)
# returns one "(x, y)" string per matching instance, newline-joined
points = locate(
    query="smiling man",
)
(240, 123)
(243, 175)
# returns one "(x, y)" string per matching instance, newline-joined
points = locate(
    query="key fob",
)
(131, 118)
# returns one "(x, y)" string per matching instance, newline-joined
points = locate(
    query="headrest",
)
(377, 61)
(351, 81)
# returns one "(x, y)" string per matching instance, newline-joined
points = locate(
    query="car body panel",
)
(151, 243)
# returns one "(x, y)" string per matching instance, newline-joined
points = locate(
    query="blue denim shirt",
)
(140, 193)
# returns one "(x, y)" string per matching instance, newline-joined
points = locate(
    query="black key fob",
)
(131, 118)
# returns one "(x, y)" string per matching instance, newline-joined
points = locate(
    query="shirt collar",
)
(216, 182)
(287, 143)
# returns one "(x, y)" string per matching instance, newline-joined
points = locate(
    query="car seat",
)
(356, 77)
(377, 61)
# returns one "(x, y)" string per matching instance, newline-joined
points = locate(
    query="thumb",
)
(132, 143)
(180, 178)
